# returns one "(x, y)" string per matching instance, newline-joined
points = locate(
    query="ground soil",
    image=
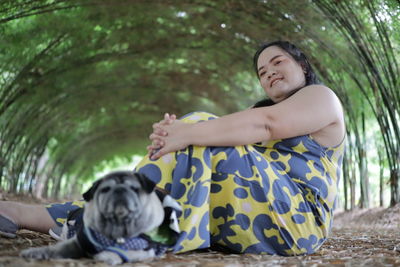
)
(359, 238)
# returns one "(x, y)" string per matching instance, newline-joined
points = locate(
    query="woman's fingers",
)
(156, 136)
(158, 125)
(158, 153)
(152, 149)
(168, 119)
(165, 121)
(159, 132)
(157, 144)
(155, 140)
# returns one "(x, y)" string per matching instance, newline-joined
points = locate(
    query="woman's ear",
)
(303, 67)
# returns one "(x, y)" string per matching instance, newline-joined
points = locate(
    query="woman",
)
(263, 180)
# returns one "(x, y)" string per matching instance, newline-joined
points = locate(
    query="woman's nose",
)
(270, 74)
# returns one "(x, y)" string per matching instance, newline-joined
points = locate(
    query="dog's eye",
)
(134, 189)
(105, 189)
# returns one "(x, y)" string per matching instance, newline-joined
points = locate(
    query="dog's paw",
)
(42, 253)
(108, 257)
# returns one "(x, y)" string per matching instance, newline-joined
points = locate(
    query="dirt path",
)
(359, 238)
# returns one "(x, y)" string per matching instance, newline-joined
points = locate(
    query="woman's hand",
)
(156, 143)
(168, 136)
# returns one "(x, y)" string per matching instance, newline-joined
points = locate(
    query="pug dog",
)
(122, 218)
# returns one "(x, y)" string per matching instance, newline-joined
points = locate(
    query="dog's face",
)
(122, 204)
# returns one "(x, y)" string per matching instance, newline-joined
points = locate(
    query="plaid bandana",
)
(94, 242)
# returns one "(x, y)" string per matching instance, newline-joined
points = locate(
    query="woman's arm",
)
(308, 111)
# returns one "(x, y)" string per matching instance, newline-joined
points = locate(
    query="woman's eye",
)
(105, 189)
(277, 62)
(261, 74)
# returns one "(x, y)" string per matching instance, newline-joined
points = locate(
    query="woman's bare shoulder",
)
(332, 134)
(313, 109)
(318, 89)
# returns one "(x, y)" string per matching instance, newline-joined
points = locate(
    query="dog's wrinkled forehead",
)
(115, 180)
(138, 180)
(120, 178)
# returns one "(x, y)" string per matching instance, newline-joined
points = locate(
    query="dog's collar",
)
(93, 242)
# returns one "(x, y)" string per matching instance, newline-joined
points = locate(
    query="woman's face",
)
(280, 75)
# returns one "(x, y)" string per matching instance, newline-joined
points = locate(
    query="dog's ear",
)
(88, 195)
(147, 184)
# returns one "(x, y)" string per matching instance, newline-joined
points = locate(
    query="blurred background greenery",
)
(82, 81)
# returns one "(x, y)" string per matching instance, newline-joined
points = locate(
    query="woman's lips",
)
(274, 81)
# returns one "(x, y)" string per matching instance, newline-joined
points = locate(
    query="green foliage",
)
(82, 81)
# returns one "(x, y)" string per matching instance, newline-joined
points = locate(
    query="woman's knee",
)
(197, 116)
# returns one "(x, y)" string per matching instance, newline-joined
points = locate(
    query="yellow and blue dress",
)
(273, 198)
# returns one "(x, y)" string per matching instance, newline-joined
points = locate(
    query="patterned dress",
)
(273, 198)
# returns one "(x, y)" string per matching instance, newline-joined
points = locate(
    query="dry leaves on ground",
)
(359, 238)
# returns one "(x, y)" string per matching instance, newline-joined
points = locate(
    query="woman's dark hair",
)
(297, 54)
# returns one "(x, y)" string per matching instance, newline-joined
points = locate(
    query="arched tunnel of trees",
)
(82, 81)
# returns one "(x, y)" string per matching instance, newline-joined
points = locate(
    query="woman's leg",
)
(186, 175)
(236, 197)
(255, 207)
(27, 216)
